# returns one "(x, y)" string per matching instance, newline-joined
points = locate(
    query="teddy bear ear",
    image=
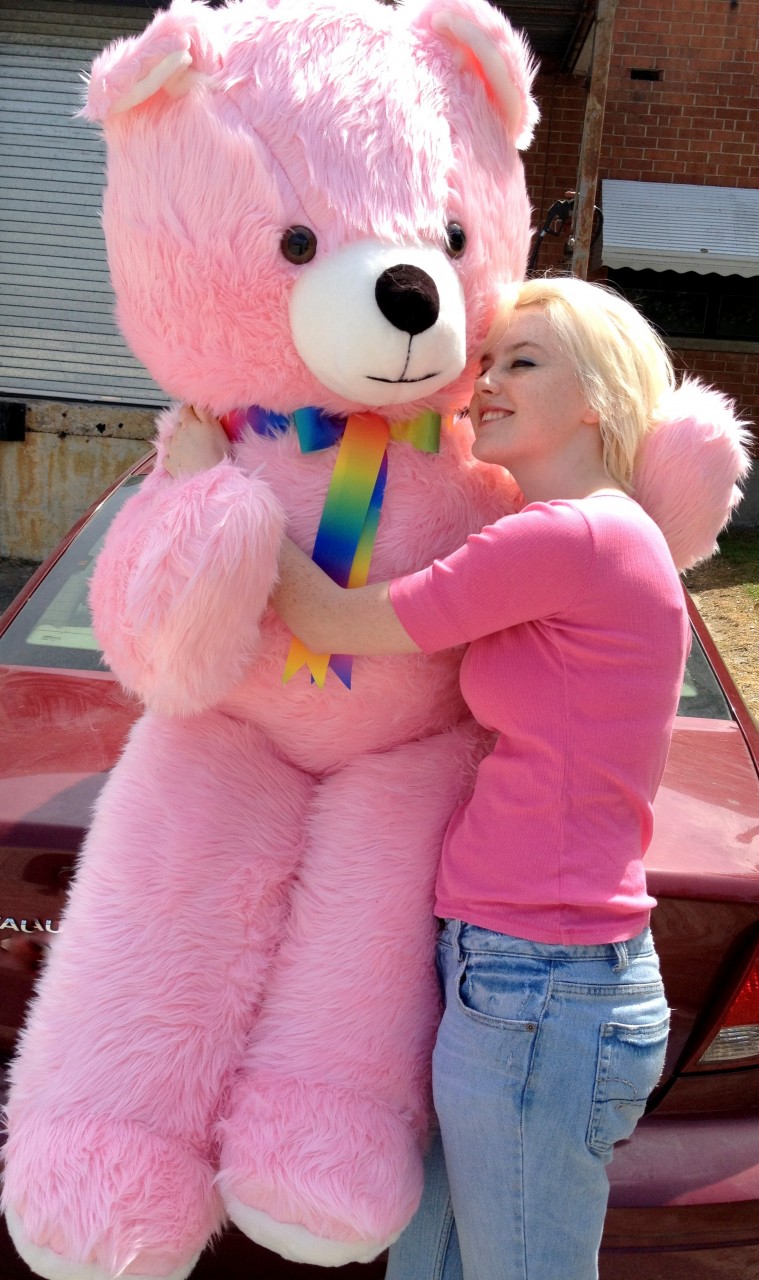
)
(170, 56)
(487, 46)
(689, 469)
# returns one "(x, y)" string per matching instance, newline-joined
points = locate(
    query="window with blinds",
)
(58, 337)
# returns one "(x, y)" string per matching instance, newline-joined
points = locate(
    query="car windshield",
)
(53, 628)
(701, 694)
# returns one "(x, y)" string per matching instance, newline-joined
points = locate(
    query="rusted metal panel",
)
(50, 478)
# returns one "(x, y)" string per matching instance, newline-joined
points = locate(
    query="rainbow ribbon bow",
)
(350, 517)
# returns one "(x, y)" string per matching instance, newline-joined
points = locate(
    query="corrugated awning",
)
(664, 226)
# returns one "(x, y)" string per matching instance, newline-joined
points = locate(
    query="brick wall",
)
(551, 162)
(734, 372)
(697, 124)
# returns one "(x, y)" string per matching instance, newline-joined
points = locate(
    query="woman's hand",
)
(198, 443)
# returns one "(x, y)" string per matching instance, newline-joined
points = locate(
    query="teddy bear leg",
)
(143, 1008)
(322, 1138)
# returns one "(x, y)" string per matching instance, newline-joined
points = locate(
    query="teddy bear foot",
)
(91, 1199)
(51, 1266)
(298, 1244)
(319, 1174)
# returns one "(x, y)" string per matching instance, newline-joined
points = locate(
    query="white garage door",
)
(57, 333)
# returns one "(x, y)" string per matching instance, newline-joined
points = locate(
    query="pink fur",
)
(324, 1076)
(238, 1015)
(127, 63)
(699, 442)
(132, 1042)
(180, 588)
(201, 186)
(519, 63)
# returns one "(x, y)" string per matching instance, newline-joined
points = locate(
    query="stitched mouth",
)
(403, 379)
(395, 381)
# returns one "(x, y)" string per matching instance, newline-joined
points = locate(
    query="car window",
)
(701, 694)
(53, 629)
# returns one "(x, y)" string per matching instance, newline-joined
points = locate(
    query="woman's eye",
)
(522, 363)
(298, 245)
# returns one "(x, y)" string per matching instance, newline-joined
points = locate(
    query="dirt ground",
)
(732, 616)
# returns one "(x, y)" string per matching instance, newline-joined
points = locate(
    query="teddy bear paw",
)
(319, 1174)
(52, 1266)
(298, 1244)
(89, 1199)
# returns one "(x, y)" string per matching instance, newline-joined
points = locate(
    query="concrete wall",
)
(71, 453)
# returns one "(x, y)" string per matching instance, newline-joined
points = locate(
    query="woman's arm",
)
(332, 619)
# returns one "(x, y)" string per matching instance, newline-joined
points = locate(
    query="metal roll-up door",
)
(58, 337)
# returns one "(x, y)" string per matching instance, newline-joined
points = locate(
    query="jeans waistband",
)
(472, 937)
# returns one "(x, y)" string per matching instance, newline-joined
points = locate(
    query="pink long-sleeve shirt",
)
(577, 637)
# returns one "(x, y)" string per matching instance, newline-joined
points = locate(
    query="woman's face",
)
(528, 405)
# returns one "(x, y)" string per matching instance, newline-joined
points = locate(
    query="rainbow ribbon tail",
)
(301, 656)
(347, 529)
(318, 664)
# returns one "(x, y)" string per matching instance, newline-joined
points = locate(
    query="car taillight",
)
(737, 1032)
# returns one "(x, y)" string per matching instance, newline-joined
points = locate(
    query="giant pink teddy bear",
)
(309, 204)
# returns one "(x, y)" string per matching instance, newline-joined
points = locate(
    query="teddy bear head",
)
(311, 202)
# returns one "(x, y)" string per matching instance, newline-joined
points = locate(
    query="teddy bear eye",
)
(298, 245)
(455, 240)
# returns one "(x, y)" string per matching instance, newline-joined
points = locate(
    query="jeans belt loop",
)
(623, 959)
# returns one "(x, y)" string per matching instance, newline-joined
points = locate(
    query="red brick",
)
(692, 126)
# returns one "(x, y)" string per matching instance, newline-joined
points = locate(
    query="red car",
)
(685, 1189)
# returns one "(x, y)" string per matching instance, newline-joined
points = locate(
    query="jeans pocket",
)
(500, 992)
(630, 1062)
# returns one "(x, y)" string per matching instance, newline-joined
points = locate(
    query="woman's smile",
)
(492, 415)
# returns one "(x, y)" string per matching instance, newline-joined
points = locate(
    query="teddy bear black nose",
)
(408, 298)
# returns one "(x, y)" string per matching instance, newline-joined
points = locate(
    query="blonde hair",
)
(621, 364)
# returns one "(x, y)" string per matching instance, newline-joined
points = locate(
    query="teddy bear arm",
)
(181, 583)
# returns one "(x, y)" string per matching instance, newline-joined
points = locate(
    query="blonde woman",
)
(555, 1021)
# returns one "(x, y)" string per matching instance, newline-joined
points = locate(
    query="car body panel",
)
(685, 1188)
(707, 816)
(684, 1242)
(682, 1160)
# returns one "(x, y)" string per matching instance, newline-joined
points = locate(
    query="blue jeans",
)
(544, 1059)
